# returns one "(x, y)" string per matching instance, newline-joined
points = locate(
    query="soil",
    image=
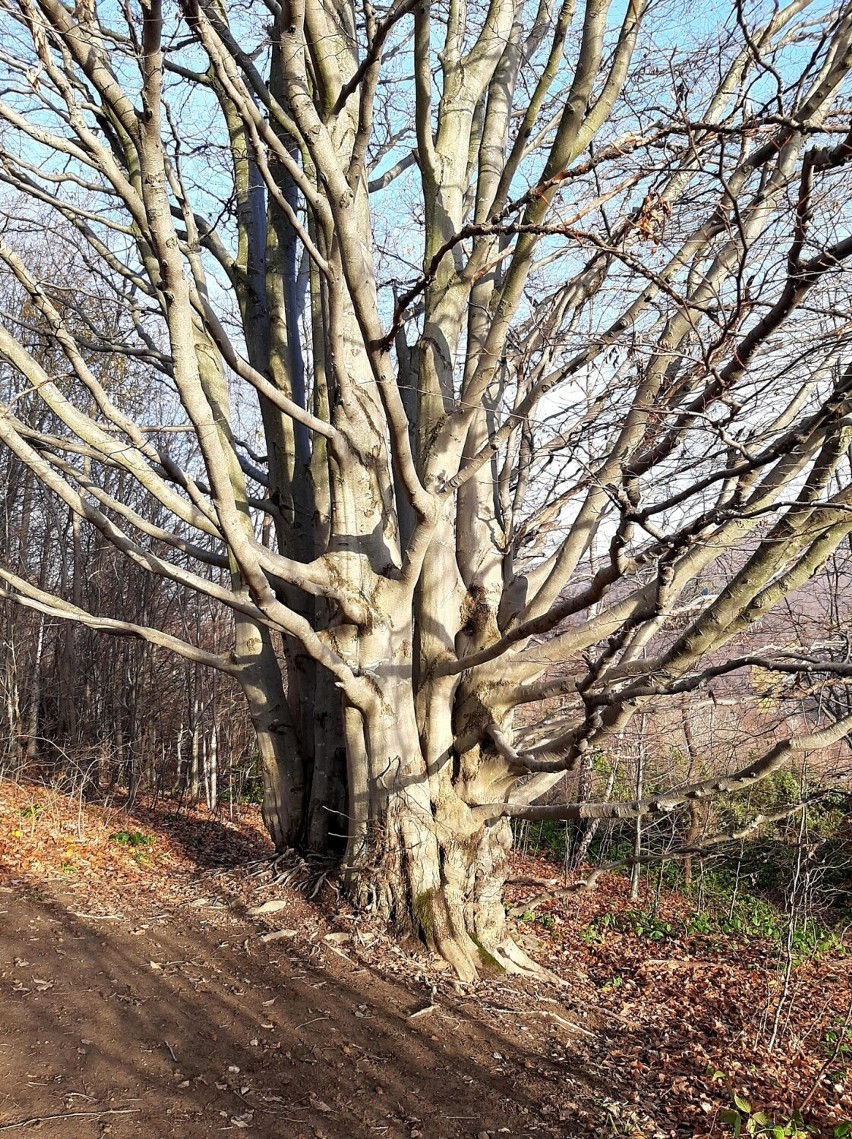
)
(192, 1026)
(142, 994)
(134, 1012)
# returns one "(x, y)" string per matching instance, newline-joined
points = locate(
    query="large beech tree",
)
(502, 371)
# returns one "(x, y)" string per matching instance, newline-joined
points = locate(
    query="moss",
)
(490, 965)
(424, 910)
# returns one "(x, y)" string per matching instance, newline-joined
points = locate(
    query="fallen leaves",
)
(672, 1028)
(678, 1011)
(110, 854)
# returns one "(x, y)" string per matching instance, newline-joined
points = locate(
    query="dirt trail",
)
(193, 1026)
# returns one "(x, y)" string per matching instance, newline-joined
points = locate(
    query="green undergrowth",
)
(133, 839)
(744, 1118)
(789, 885)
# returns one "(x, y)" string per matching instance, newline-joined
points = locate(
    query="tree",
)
(107, 722)
(509, 340)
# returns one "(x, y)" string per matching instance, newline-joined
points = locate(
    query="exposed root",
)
(516, 960)
(307, 873)
(460, 953)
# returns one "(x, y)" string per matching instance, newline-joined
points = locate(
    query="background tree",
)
(85, 710)
(490, 370)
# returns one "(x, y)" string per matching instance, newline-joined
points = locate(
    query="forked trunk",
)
(415, 859)
(414, 852)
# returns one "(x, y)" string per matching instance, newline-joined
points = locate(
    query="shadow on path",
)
(199, 1028)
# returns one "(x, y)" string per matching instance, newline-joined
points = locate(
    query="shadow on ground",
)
(211, 841)
(192, 1026)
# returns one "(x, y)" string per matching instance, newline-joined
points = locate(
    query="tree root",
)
(517, 961)
(307, 873)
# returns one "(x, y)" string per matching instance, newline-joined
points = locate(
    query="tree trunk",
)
(444, 888)
(416, 855)
(636, 868)
(31, 747)
(326, 824)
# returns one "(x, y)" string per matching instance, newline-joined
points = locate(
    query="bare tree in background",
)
(84, 710)
(511, 342)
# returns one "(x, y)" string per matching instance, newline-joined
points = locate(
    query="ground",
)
(143, 994)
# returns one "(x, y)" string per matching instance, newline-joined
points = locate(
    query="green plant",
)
(839, 1039)
(743, 1121)
(812, 940)
(548, 838)
(133, 838)
(614, 983)
(643, 923)
(595, 932)
(31, 812)
(699, 923)
(730, 909)
(782, 788)
(593, 936)
(251, 793)
(602, 766)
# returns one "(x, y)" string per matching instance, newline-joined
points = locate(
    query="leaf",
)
(742, 1104)
(271, 907)
(733, 1119)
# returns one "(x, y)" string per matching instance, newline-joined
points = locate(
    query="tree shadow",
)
(195, 1028)
(210, 841)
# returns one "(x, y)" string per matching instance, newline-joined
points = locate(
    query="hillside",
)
(143, 994)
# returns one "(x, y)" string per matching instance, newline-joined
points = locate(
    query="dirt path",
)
(192, 1025)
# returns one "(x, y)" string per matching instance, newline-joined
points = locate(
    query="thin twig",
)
(70, 1115)
(312, 1021)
